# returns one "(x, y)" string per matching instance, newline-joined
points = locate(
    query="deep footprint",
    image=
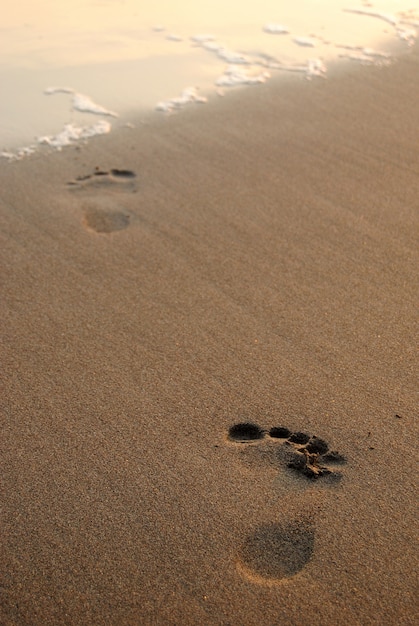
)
(245, 431)
(277, 551)
(309, 456)
(317, 446)
(313, 458)
(299, 438)
(279, 432)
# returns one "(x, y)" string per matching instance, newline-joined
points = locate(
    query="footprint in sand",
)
(104, 215)
(308, 455)
(276, 552)
(105, 178)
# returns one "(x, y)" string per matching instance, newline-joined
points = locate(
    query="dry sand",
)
(262, 266)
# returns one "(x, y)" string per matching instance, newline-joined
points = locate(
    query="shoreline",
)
(81, 122)
(250, 261)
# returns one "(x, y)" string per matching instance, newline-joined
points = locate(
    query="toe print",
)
(308, 464)
(307, 455)
(317, 446)
(299, 438)
(279, 432)
(310, 459)
(245, 431)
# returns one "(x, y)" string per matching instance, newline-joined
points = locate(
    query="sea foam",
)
(234, 75)
(276, 29)
(71, 133)
(80, 102)
(189, 95)
(254, 50)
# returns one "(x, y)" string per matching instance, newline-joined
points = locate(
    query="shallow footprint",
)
(276, 552)
(105, 221)
(121, 179)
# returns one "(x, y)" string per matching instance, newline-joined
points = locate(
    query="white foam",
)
(49, 91)
(408, 35)
(249, 53)
(72, 134)
(188, 96)
(8, 155)
(19, 154)
(212, 45)
(234, 75)
(387, 17)
(376, 54)
(230, 56)
(81, 102)
(401, 24)
(308, 42)
(275, 29)
(361, 57)
(367, 53)
(315, 67)
(202, 38)
(86, 105)
(312, 69)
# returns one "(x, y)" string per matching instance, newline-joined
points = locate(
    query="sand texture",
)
(254, 260)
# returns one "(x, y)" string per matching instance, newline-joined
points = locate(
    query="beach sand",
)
(261, 266)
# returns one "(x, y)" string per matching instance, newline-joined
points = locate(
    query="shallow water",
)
(123, 57)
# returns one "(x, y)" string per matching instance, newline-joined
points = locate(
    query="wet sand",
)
(251, 260)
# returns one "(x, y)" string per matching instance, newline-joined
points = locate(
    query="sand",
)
(261, 266)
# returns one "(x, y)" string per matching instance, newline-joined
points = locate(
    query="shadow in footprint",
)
(106, 221)
(245, 431)
(279, 432)
(123, 174)
(276, 552)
